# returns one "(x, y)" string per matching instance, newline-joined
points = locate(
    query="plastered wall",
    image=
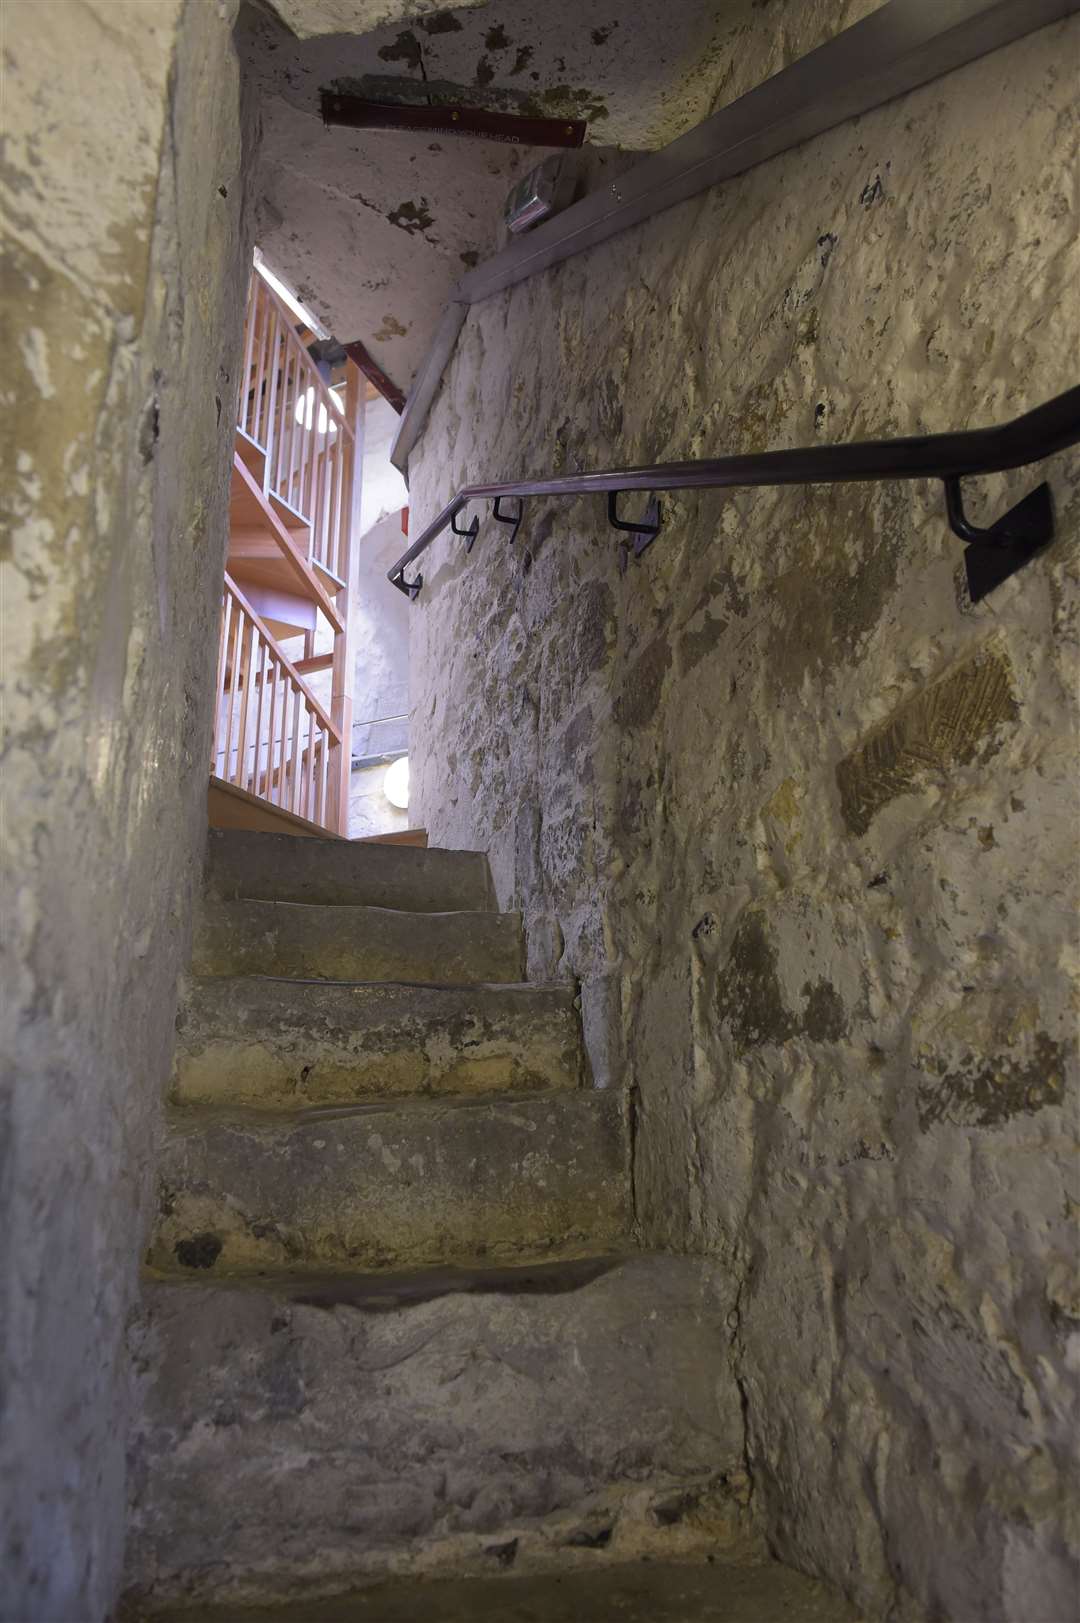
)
(123, 285)
(798, 816)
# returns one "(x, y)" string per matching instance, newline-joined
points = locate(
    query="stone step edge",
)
(191, 1118)
(569, 988)
(184, 1099)
(380, 1292)
(333, 844)
(700, 1520)
(212, 904)
(315, 1285)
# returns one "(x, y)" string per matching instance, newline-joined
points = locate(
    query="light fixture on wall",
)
(396, 783)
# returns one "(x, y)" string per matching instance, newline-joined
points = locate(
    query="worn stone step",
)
(257, 1041)
(308, 1432)
(286, 868)
(627, 1591)
(375, 1186)
(347, 943)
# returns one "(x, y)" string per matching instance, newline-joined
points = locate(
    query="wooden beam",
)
(371, 369)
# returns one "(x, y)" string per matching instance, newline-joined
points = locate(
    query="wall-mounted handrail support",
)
(992, 554)
(644, 531)
(469, 533)
(509, 518)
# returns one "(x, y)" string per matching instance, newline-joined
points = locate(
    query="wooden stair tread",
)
(229, 806)
(262, 549)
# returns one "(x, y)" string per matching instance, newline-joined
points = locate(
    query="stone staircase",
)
(393, 1319)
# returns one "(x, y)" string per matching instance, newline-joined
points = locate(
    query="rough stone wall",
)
(123, 288)
(799, 817)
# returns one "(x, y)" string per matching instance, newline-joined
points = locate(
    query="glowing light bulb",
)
(396, 783)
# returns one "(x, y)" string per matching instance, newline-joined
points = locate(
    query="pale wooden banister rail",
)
(272, 737)
(286, 408)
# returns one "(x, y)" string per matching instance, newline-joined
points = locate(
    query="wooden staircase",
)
(283, 721)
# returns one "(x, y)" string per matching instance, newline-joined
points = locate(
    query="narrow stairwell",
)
(393, 1320)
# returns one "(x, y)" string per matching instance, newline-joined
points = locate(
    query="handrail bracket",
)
(644, 530)
(509, 518)
(470, 532)
(999, 550)
(411, 588)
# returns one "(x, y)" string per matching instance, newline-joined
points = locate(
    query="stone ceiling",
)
(373, 228)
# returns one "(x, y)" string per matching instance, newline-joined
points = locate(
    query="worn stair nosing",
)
(191, 1118)
(377, 1291)
(412, 986)
(213, 903)
(520, 987)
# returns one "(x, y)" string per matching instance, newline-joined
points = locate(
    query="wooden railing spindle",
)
(231, 691)
(226, 617)
(244, 405)
(261, 680)
(309, 775)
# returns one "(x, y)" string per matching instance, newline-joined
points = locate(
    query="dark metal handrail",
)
(992, 554)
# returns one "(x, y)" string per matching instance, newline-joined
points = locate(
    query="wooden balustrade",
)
(272, 737)
(295, 507)
(287, 409)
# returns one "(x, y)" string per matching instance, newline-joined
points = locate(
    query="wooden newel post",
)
(341, 700)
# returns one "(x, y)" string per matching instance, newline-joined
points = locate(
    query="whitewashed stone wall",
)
(800, 818)
(122, 298)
